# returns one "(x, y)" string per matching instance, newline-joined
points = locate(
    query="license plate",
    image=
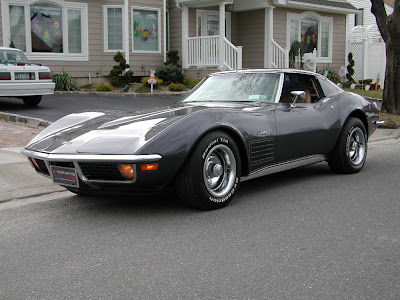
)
(64, 176)
(22, 76)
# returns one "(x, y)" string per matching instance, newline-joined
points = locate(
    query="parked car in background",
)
(21, 79)
(233, 126)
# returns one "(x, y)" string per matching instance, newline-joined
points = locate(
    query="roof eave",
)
(314, 7)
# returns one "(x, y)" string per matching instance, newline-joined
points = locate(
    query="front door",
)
(208, 23)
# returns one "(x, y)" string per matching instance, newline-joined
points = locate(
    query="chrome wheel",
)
(219, 171)
(356, 146)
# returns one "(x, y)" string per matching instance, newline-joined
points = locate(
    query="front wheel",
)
(32, 100)
(350, 152)
(210, 176)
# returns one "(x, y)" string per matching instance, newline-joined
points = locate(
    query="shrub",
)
(144, 80)
(189, 81)
(105, 87)
(350, 68)
(365, 81)
(169, 73)
(173, 58)
(86, 86)
(143, 89)
(296, 50)
(176, 87)
(331, 74)
(65, 82)
(116, 75)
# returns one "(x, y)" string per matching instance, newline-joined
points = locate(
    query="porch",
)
(214, 45)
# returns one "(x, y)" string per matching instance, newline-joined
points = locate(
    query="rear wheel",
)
(350, 152)
(32, 100)
(211, 174)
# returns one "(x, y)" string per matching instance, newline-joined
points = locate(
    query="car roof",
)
(267, 71)
(8, 48)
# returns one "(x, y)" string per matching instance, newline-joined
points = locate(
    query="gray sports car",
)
(233, 126)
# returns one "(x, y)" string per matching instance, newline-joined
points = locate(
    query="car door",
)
(307, 127)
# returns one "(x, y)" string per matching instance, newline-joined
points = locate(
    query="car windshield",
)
(236, 87)
(12, 57)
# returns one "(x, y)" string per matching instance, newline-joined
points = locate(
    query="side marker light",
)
(149, 167)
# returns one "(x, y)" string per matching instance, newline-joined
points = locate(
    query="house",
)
(82, 36)
(366, 43)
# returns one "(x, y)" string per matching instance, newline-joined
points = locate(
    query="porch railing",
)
(203, 51)
(233, 56)
(280, 56)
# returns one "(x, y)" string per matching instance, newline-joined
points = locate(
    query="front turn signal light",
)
(149, 167)
(34, 163)
(127, 171)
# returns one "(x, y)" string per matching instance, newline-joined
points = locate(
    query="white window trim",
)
(84, 56)
(203, 15)
(105, 29)
(291, 16)
(158, 10)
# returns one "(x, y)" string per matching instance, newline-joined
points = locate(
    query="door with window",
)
(306, 127)
(208, 23)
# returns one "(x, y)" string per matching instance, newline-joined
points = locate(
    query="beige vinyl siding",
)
(339, 35)
(251, 37)
(100, 61)
(175, 28)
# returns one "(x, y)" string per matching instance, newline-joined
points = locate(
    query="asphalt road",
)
(53, 107)
(301, 234)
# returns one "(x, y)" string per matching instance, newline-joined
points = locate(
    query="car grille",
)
(42, 167)
(101, 171)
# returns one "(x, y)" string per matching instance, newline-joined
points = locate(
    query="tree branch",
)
(378, 9)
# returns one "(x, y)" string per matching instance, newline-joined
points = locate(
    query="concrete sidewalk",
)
(18, 180)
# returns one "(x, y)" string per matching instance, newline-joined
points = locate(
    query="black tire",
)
(32, 100)
(211, 174)
(350, 150)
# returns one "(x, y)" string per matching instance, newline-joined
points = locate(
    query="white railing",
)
(233, 56)
(280, 56)
(203, 51)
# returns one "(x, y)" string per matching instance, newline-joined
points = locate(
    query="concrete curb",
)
(22, 120)
(129, 94)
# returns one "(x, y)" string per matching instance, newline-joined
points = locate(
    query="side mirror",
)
(297, 95)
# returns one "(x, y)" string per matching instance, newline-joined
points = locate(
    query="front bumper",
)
(98, 171)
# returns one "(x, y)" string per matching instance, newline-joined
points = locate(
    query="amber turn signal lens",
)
(34, 163)
(149, 167)
(127, 171)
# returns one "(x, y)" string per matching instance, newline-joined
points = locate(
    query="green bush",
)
(117, 76)
(173, 58)
(169, 73)
(189, 81)
(365, 81)
(65, 82)
(86, 86)
(350, 68)
(144, 80)
(143, 89)
(105, 87)
(177, 87)
(331, 74)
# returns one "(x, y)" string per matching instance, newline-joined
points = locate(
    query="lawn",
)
(372, 94)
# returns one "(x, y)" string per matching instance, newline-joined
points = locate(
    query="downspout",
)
(126, 31)
(165, 29)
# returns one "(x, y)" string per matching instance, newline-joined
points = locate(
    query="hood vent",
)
(262, 151)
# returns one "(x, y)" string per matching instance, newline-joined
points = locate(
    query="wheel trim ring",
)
(227, 179)
(356, 148)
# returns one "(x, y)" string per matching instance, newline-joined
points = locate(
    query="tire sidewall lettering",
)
(223, 199)
(212, 144)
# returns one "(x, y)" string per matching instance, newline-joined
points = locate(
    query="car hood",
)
(118, 132)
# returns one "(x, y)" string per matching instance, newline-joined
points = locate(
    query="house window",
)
(314, 32)
(54, 30)
(146, 32)
(358, 19)
(113, 28)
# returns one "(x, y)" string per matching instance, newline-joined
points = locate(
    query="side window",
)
(299, 82)
(328, 87)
